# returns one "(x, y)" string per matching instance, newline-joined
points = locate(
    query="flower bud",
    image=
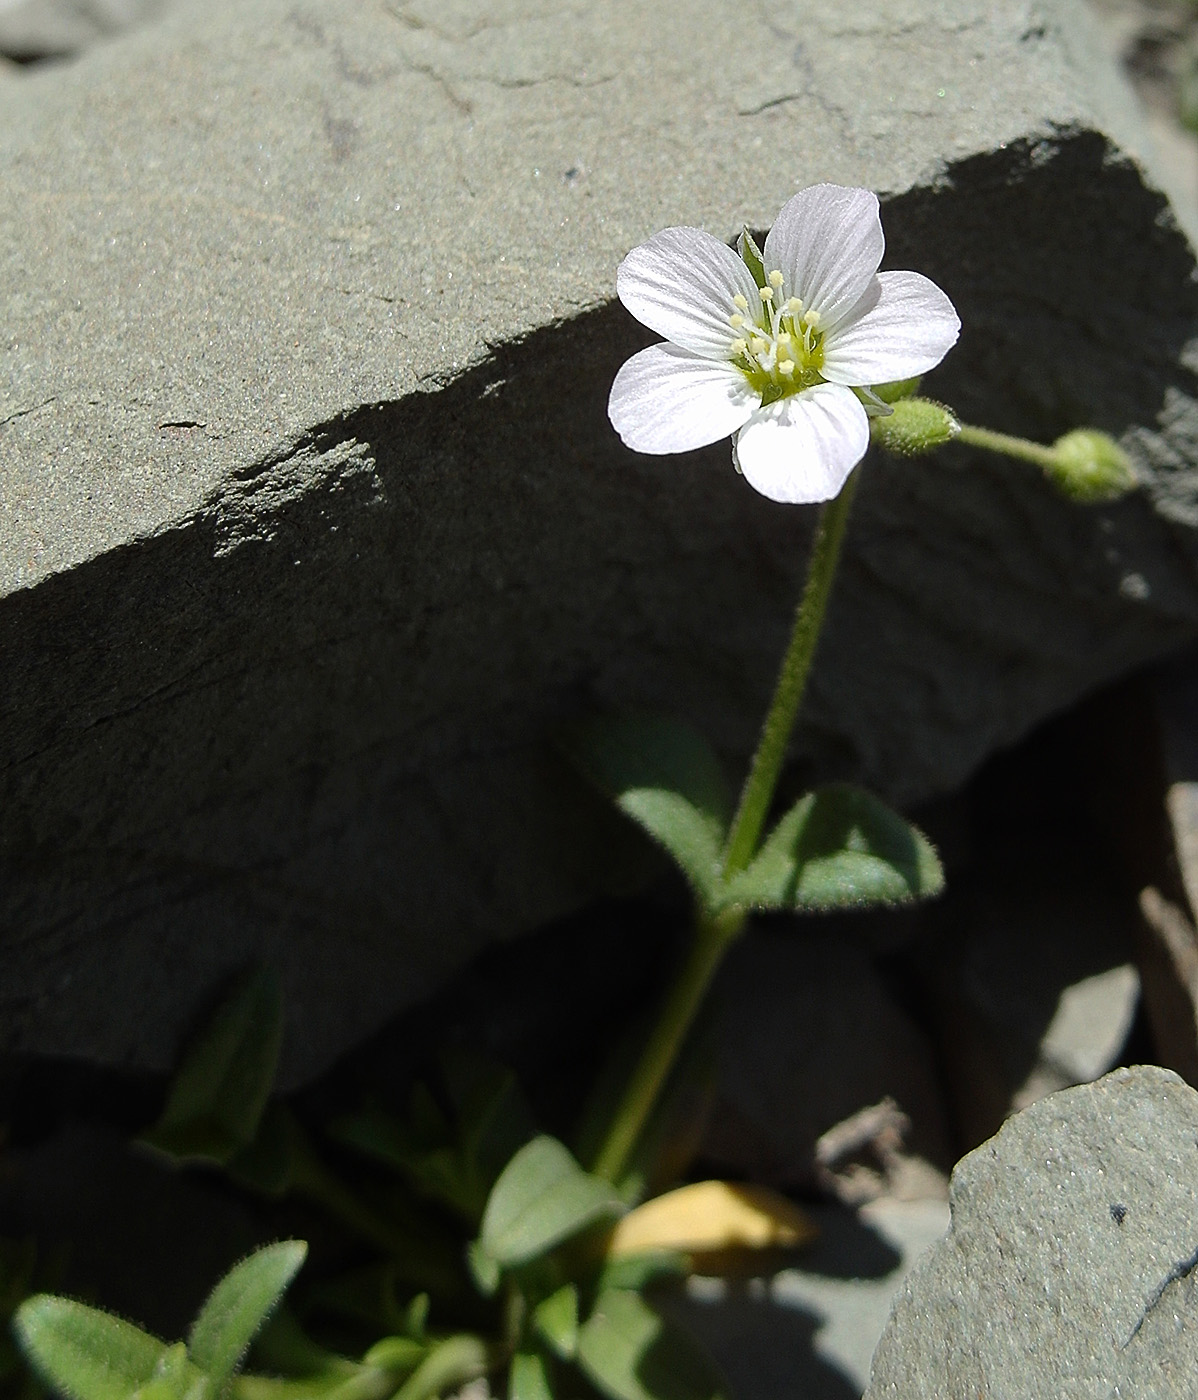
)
(1090, 466)
(914, 426)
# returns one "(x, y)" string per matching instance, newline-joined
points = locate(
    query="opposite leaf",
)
(528, 1377)
(556, 1321)
(84, 1353)
(632, 1353)
(541, 1198)
(665, 776)
(839, 847)
(220, 1089)
(239, 1305)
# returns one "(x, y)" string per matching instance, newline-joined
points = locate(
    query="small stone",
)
(1069, 1268)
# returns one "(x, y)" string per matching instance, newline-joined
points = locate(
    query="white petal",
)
(802, 449)
(905, 329)
(681, 284)
(827, 243)
(669, 400)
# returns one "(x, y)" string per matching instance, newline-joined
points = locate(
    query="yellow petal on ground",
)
(709, 1216)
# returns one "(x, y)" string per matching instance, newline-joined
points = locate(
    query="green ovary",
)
(782, 353)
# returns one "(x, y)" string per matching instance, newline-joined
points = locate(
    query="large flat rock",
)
(312, 524)
(1069, 1269)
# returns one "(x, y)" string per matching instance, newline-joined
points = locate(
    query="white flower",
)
(775, 365)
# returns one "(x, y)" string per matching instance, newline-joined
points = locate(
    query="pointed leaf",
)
(632, 1353)
(556, 1320)
(483, 1269)
(665, 776)
(528, 1377)
(402, 1354)
(447, 1367)
(220, 1090)
(839, 847)
(84, 1353)
(239, 1305)
(541, 1198)
(750, 255)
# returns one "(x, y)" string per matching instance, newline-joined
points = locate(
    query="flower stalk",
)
(758, 791)
(716, 932)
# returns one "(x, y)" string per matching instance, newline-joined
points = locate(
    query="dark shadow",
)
(305, 726)
(764, 1348)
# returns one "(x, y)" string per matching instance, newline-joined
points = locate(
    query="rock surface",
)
(313, 525)
(1069, 1268)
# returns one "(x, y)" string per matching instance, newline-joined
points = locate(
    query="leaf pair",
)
(87, 1354)
(219, 1093)
(837, 848)
(541, 1199)
(455, 1158)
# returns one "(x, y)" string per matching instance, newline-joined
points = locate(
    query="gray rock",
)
(1068, 1270)
(313, 525)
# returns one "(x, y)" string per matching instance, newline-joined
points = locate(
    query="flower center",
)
(777, 345)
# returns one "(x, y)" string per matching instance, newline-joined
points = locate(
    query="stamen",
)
(766, 293)
(775, 279)
(812, 318)
(740, 302)
(736, 321)
(786, 367)
(757, 345)
(740, 346)
(794, 305)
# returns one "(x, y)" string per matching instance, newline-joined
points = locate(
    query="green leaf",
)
(239, 1305)
(839, 847)
(632, 1353)
(220, 1090)
(637, 1271)
(665, 776)
(541, 1198)
(556, 1321)
(447, 1367)
(396, 1354)
(750, 255)
(84, 1353)
(456, 1163)
(484, 1270)
(528, 1377)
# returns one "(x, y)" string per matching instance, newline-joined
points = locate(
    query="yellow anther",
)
(757, 345)
(741, 302)
(736, 321)
(775, 279)
(786, 367)
(794, 305)
(740, 346)
(812, 318)
(766, 293)
(783, 337)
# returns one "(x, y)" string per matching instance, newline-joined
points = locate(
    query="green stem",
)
(1026, 451)
(715, 932)
(758, 791)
